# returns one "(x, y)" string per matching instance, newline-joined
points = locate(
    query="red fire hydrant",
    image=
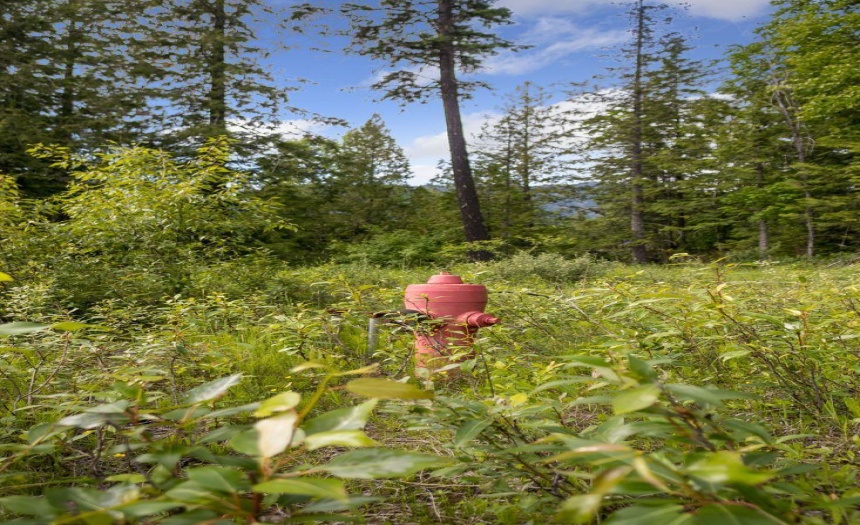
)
(456, 311)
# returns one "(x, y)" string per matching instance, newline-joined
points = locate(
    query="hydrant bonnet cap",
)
(445, 278)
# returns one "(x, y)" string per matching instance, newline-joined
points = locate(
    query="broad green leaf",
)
(94, 499)
(279, 403)
(339, 438)
(470, 430)
(71, 326)
(746, 428)
(307, 366)
(166, 458)
(246, 442)
(313, 509)
(727, 514)
(372, 463)
(29, 506)
(358, 371)
(608, 479)
(352, 418)
(580, 508)
(726, 467)
(635, 399)
(386, 389)
(20, 328)
(196, 517)
(96, 416)
(707, 396)
(140, 509)
(127, 478)
(221, 479)
(641, 368)
(211, 390)
(275, 433)
(190, 492)
(5, 277)
(647, 515)
(42, 431)
(186, 413)
(304, 486)
(734, 354)
(230, 411)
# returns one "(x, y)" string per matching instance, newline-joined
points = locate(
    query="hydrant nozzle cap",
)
(445, 278)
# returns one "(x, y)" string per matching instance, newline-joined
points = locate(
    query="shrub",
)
(549, 267)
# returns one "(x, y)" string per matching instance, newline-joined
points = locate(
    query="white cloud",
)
(722, 9)
(426, 151)
(543, 7)
(733, 10)
(422, 174)
(554, 39)
(435, 146)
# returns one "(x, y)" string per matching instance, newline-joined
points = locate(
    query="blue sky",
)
(571, 41)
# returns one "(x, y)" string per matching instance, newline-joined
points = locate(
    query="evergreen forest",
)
(202, 319)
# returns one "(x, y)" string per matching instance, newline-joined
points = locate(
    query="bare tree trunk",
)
(802, 143)
(218, 71)
(637, 199)
(68, 94)
(467, 196)
(763, 234)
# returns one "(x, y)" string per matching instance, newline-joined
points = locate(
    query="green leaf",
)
(635, 399)
(470, 430)
(375, 463)
(211, 390)
(733, 355)
(339, 438)
(113, 413)
(358, 371)
(190, 492)
(307, 366)
(140, 509)
(127, 478)
(279, 403)
(245, 442)
(221, 479)
(304, 486)
(275, 433)
(580, 508)
(230, 411)
(386, 389)
(71, 326)
(641, 368)
(352, 418)
(726, 467)
(706, 396)
(645, 515)
(733, 515)
(167, 458)
(196, 517)
(20, 328)
(29, 506)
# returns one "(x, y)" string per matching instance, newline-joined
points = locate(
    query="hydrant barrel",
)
(457, 309)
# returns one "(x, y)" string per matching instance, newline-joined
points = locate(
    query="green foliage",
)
(695, 393)
(549, 267)
(140, 223)
(184, 456)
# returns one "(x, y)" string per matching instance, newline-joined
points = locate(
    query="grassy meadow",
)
(686, 393)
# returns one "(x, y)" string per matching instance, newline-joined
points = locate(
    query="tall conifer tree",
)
(213, 82)
(428, 43)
